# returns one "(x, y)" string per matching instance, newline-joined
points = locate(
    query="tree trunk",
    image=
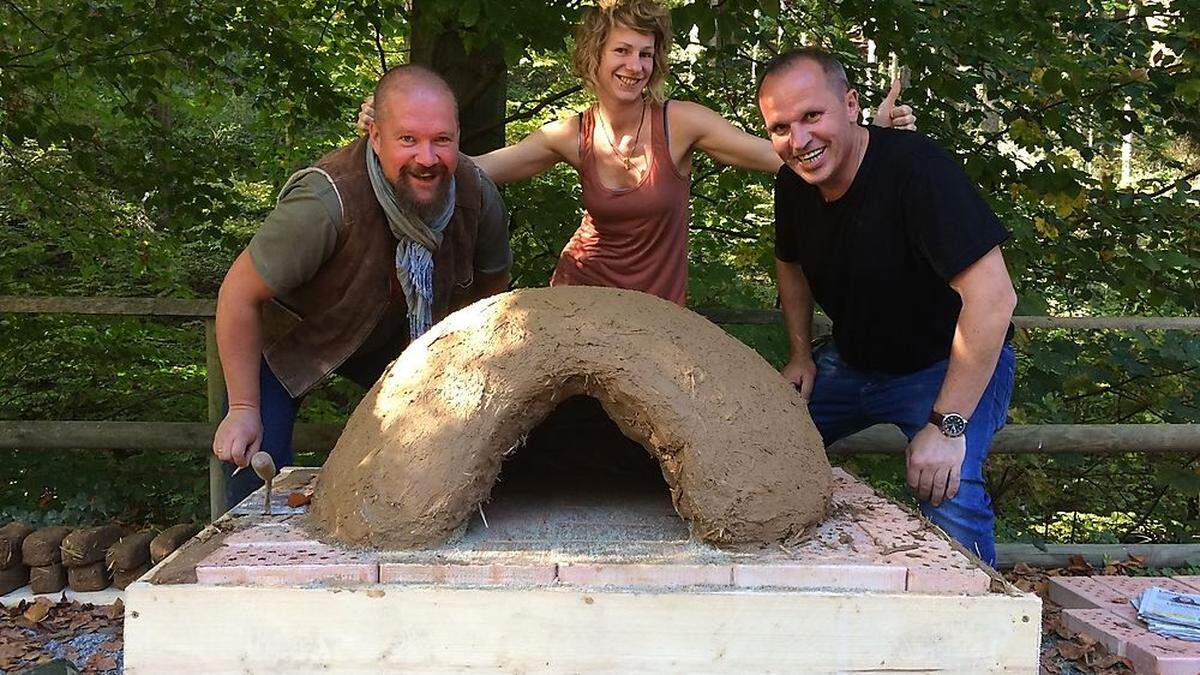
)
(478, 78)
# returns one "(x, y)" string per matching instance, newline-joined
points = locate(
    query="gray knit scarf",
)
(417, 243)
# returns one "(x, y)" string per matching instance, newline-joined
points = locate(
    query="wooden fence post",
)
(216, 410)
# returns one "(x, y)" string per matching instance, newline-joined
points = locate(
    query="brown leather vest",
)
(310, 331)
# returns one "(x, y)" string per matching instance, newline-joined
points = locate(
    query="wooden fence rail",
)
(1047, 439)
(196, 436)
(165, 307)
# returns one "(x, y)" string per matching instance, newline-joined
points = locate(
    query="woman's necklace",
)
(626, 159)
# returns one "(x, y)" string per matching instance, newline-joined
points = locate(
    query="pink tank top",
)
(636, 237)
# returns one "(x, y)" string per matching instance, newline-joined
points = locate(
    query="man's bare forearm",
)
(239, 341)
(796, 301)
(988, 301)
(239, 332)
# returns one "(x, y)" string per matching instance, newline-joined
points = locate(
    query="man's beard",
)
(408, 201)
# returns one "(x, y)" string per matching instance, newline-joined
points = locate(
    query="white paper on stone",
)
(1170, 613)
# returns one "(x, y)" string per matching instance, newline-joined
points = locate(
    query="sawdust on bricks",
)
(739, 453)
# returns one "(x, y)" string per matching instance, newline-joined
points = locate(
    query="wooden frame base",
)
(437, 629)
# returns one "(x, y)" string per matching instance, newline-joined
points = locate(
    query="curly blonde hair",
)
(644, 16)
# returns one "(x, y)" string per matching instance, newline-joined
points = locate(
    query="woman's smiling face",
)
(626, 63)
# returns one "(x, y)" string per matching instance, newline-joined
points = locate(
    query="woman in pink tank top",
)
(632, 150)
(631, 237)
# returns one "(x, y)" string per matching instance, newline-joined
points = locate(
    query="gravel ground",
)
(88, 636)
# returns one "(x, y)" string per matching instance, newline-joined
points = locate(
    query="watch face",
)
(953, 425)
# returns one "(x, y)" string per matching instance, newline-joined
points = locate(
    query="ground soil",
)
(86, 635)
(738, 451)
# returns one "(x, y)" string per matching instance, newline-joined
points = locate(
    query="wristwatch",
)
(951, 424)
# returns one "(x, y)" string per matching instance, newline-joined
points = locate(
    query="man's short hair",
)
(406, 76)
(835, 72)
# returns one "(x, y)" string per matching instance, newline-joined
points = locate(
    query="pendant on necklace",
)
(628, 164)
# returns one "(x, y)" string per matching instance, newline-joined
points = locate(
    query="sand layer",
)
(737, 448)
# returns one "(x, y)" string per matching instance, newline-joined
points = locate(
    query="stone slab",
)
(1106, 592)
(1193, 581)
(496, 574)
(846, 575)
(1124, 635)
(645, 575)
(1152, 653)
(1113, 631)
(286, 565)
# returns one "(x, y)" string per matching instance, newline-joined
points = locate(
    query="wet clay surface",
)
(739, 454)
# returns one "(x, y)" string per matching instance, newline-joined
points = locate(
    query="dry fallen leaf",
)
(115, 610)
(38, 610)
(1072, 651)
(1078, 565)
(297, 499)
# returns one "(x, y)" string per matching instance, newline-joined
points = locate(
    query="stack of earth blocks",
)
(86, 559)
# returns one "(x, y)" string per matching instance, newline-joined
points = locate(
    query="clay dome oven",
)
(737, 448)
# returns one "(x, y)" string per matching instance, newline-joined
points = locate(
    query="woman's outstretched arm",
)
(553, 143)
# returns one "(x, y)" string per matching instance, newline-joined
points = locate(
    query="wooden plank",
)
(216, 411)
(1048, 439)
(882, 439)
(1131, 323)
(418, 628)
(1184, 323)
(1059, 555)
(207, 308)
(83, 435)
(109, 306)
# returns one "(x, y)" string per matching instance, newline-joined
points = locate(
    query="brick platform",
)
(598, 577)
(631, 540)
(1100, 607)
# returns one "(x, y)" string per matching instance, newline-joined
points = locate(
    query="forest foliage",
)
(142, 143)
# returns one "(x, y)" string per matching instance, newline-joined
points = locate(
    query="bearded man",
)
(364, 251)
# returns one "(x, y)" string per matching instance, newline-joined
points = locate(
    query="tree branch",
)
(527, 114)
(1174, 184)
(1127, 381)
(29, 173)
(379, 44)
(25, 16)
(325, 26)
(721, 230)
(12, 63)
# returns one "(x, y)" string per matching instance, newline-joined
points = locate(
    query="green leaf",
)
(468, 13)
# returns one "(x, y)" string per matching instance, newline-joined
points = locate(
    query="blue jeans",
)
(845, 400)
(278, 411)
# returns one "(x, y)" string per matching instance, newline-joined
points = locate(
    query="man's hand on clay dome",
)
(801, 371)
(239, 435)
(934, 464)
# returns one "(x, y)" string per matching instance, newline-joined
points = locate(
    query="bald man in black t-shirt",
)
(885, 231)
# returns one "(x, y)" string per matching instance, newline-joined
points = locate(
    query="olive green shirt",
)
(301, 233)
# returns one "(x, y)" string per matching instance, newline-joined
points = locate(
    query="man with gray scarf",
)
(365, 250)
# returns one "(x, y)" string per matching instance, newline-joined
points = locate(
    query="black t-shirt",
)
(879, 259)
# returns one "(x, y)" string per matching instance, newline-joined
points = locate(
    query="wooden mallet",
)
(264, 466)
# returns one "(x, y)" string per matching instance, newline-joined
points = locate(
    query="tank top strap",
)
(587, 122)
(660, 142)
